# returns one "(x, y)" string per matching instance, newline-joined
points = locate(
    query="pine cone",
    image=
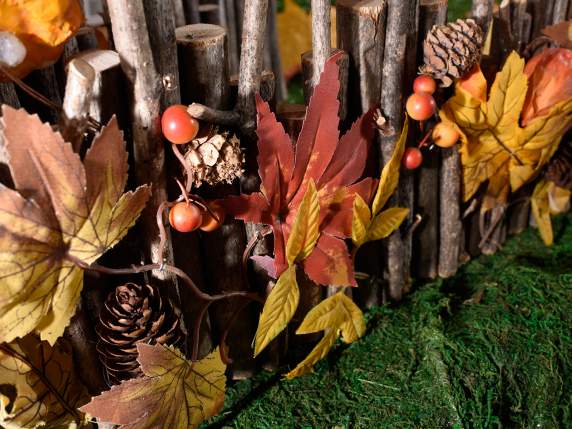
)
(559, 169)
(215, 159)
(452, 50)
(133, 314)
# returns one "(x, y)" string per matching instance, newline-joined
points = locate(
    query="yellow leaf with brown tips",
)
(305, 230)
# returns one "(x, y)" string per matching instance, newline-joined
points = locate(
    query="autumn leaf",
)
(375, 224)
(547, 200)
(65, 215)
(42, 26)
(336, 316)
(47, 390)
(283, 300)
(494, 147)
(173, 393)
(335, 166)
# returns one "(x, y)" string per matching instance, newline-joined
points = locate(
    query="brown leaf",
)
(48, 391)
(62, 212)
(561, 33)
(174, 393)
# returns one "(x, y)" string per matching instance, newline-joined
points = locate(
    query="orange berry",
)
(444, 135)
(209, 222)
(185, 217)
(178, 126)
(424, 84)
(421, 106)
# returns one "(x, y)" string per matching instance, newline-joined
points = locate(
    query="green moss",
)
(489, 348)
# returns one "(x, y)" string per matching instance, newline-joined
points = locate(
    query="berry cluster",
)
(191, 214)
(421, 106)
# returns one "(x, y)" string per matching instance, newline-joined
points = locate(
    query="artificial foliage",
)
(61, 217)
(47, 391)
(174, 392)
(495, 148)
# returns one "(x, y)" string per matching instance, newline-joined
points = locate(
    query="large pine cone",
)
(452, 50)
(559, 169)
(133, 314)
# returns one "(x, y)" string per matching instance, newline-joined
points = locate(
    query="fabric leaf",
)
(494, 147)
(390, 172)
(47, 390)
(278, 310)
(319, 156)
(386, 222)
(62, 211)
(360, 221)
(173, 392)
(547, 200)
(336, 315)
(304, 233)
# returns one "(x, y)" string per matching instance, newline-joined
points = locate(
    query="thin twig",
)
(224, 357)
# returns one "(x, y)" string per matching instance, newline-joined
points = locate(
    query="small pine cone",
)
(559, 169)
(215, 159)
(133, 314)
(452, 50)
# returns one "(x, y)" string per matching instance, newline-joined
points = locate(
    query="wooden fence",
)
(218, 54)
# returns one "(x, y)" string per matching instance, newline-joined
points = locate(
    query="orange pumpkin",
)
(43, 26)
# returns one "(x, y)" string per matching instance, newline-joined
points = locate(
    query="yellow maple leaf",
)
(376, 224)
(547, 200)
(282, 301)
(43, 26)
(47, 389)
(63, 215)
(336, 315)
(494, 147)
(173, 393)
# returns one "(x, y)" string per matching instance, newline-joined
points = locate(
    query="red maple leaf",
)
(334, 164)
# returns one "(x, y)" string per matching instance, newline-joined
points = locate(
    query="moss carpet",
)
(489, 348)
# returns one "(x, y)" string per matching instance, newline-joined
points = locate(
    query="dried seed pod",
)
(452, 50)
(215, 159)
(133, 314)
(559, 169)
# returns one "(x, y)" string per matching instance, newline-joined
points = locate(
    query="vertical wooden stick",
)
(482, 13)
(560, 11)
(360, 28)
(450, 228)
(276, 63)
(192, 11)
(321, 37)
(426, 238)
(132, 40)
(399, 23)
(77, 100)
(232, 36)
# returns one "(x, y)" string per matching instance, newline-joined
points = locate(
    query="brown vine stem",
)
(11, 352)
(95, 125)
(224, 357)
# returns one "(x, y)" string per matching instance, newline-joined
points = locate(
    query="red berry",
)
(185, 217)
(424, 85)
(209, 222)
(421, 106)
(412, 158)
(178, 126)
(444, 135)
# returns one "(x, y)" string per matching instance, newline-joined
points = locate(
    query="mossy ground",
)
(489, 348)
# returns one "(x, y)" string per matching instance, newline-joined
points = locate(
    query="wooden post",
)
(179, 9)
(147, 85)
(361, 33)
(450, 225)
(427, 195)
(560, 11)
(400, 20)
(210, 13)
(274, 51)
(191, 8)
(77, 100)
(232, 36)
(482, 13)
(321, 37)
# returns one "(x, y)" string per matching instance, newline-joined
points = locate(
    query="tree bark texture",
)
(427, 195)
(400, 22)
(321, 37)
